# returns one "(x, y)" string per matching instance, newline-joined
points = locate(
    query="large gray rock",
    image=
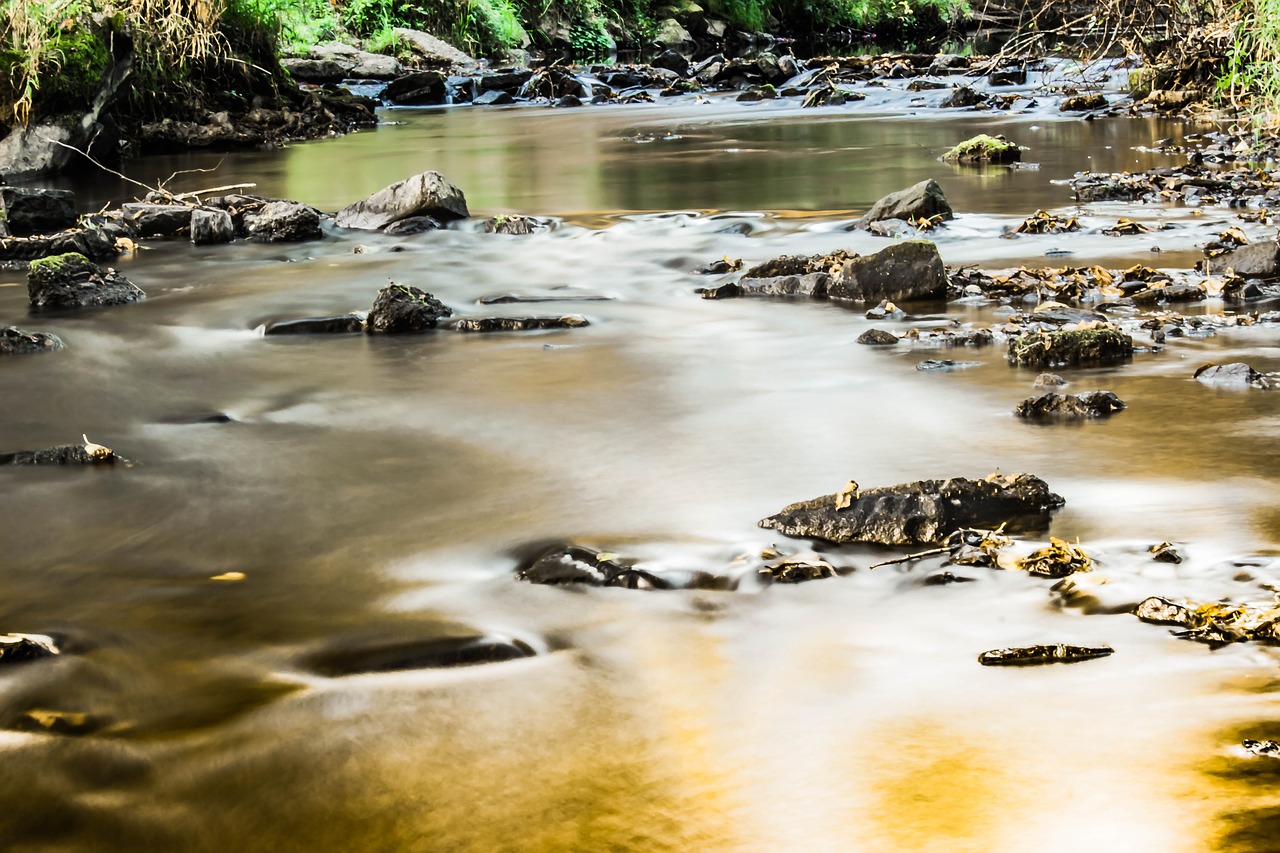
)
(400, 308)
(922, 512)
(418, 89)
(316, 70)
(900, 272)
(921, 201)
(1234, 375)
(96, 243)
(27, 210)
(157, 220)
(74, 281)
(14, 341)
(210, 225)
(1256, 260)
(670, 34)
(283, 222)
(375, 66)
(432, 51)
(425, 194)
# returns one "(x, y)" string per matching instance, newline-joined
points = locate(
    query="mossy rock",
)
(984, 149)
(69, 263)
(1073, 348)
(74, 64)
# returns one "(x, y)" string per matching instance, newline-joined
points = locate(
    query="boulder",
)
(1038, 655)
(20, 648)
(493, 98)
(671, 60)
(1008, 77)
(156, 220)
(375, 66)
(900, 272)
(509, 80)
(316, 70)
(670, 34)
(984, 149)
(427, 193)
(1090, 404)
(921, 512)
(74, 281)
(877, 337)
(92, 242)
(1084, 103)
(963, 96)
(924, 200)
(432, 51)
(14, 341)
(210, 226)
(519, 324)
(339, 325)
(399, 308)
(1234, 375)
(418, 89)
(25, 211)
(283, 222)
(1075, 348)
(1255, 260)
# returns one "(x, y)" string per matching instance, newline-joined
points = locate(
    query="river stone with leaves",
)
(74, 281)
(921, 512)
(14, 341)
(401, 308)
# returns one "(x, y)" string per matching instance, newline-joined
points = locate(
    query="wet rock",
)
(720, 266)
(21, 648)
(211, 226)
(433, 52)
(878, 337)
(671, 35)
(944, 578)
(1049, 380)
(1162, 611)
(1166, 552)
(1090, 404)
(944, 364)
(71, 723)
(1084, 103)
(412, 225)
(671, 60)
(1170, 100)
(421, 88)
(947, 63)
(512, 224)
(1234, 375)
(25, 211)
(728, 290)
(1008, 77)
(921, 512)
(984, 149)
(1037, 655)
(400, 308)
(574, 564)
(14, 341)
(430, 653)
(963, 96)
(758, 93)
(1184, 292)
(96, 243)
(339, 325)
(1074, 348)
(1255, 260)
(1058, 559)
(892, 228)
(63, 454)
(569, 101)
(901, 272)
(519, 324)
(922, 85)
(815, 284)
(283, 222)
(426, 194)
(797, 571)
(157, 220)
(924, 200)
(799, 265)
(1265, 748)
(493, 98)
(74, 281)
(315, 70)
(830, 95)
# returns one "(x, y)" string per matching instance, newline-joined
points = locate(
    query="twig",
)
(159, 187)
(919, 556)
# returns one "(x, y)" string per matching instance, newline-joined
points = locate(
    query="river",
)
(379, 491)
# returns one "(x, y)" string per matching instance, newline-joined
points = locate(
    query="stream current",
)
(376, 491)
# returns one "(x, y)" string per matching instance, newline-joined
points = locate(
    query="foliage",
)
(1252, 75)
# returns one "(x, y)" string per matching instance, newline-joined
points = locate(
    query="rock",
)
(670, 34)
(1008, 77)
(432, 653)
(891, 228)
(922, 85)
(427, 193)
(729, 290)
(946, 63)
(797, 571)
(1077, 347)
(799, 265)
(900, 272)
(1162, 611)
(316, 70)
(946, 364)
(509, 80)
(1166, 552)
(157, 220)
(758, 93)
(375, 66)
(339, 325)
(1090, 404)
(96, 243)
(1049, 380)
(25, 211)
(21, 648)
(1169, 100)
(73, 281)
(1255, 260)
(63, 454)
(878, 337)
(924, 200)
(399, 308)
(1037, 655)
(671, 60)
(922, 512)
(569, 101)
(73, 723)
(519, 324)
(413, 225)
(14, 341)
(984, 149)
(963, 96)
(511, 224)
(574, 564)
(433, 51)
(1265, 748)
(814, 284)
(1185, 292)
(210, 226)
(1083, 103)
(416, 89)
(283, 222)
(1234, 375)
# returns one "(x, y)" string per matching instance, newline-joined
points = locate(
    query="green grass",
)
(1251, 81)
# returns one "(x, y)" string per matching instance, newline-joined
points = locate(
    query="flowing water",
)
(377, 491)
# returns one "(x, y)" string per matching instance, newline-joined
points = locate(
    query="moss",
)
(76, 62)
(55, 263)
(984, 149)
(1080, 347)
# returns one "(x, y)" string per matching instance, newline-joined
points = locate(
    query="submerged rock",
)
(339, 325)
(984, 149)
(14, 341)
(25, 211)
(401, 308)
(1234, 375)
(20, 648)
(73, 281)
(1049, 380)
(921, 512)
(1037, 655)
(1076, 347)
(519, 324)
(924, 200)
(433, 653)
(574, 564)
(1089, 404)
(427, 194)
(511, 224)
(911, 269)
